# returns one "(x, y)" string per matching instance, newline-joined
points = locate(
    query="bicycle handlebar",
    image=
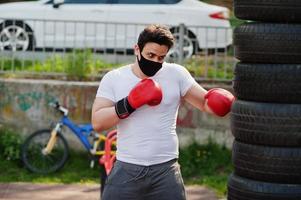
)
(58, 107)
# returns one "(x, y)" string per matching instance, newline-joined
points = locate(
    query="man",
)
(142, 99)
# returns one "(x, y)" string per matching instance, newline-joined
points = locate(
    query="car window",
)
(172, 1)
(136, 1)
(85, 1)
(80, 1)
(121, 1)
(145, 1)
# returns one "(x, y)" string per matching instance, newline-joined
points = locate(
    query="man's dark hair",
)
(156, 33)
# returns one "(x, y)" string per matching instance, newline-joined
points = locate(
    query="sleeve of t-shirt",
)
(186, 80)
(105, 88)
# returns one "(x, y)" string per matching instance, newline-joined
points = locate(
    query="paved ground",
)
(26, 191)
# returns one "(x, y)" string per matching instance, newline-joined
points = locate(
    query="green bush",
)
(199, 160)
(76, 65)
(209, 164)
(10, 145)
(84, 65)
(208, 68)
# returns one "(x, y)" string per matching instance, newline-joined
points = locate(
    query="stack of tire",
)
(266, 117)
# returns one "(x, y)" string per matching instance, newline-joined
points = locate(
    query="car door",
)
(76, 23)
(134, 14)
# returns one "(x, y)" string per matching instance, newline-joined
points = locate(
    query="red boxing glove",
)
(146, 91)
(219, 101)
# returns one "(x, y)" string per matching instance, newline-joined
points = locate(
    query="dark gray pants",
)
(135, 182)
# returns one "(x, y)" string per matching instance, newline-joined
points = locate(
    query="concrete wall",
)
(24, 107)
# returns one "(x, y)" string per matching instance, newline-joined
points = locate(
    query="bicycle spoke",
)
(38, 161)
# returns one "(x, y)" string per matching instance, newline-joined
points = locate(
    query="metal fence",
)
(85, 48)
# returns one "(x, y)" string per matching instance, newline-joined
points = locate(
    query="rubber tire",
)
(21, 25)
(57, 165)
(268, 43)
(240, 188)
(264, 163)
(268, 10)
(277, 83)
(266, 123)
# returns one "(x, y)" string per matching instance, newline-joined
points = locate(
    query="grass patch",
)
(78, 65)
(234, 21)
(76, 170)
(82, 67)
(208, 164)
(211, 68)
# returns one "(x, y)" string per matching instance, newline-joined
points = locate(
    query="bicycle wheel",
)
(36, 161)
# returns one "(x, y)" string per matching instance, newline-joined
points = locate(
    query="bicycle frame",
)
(98, 147)
(109, 156)
(79, 131)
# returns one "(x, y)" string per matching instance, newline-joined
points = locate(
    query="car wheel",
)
(268, 11)
(15, 36)
(189, 45)
(268, 43)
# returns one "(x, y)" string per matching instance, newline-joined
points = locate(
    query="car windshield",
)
(145, 1)
(117, 1)
(85, 1)
(47, 2)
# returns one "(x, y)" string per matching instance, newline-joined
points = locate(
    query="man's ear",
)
(136, 49)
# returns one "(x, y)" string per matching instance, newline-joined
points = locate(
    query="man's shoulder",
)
(174, 68)
(172, 65)
(118, 71)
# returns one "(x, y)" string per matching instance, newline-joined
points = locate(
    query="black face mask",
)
(148, 67)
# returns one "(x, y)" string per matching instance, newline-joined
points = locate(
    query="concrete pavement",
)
(28, 191)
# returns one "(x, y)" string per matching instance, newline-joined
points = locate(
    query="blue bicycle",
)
(47, 150)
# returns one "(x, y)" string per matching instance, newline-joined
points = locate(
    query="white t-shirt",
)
(148, 136)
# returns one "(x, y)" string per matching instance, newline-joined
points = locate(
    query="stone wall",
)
(24, 107)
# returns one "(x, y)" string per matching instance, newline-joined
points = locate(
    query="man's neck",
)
(137, 71)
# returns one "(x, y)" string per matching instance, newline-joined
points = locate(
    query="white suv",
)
(110, 24)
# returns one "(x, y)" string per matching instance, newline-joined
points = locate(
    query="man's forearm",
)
(206, 108)
(104, 118)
